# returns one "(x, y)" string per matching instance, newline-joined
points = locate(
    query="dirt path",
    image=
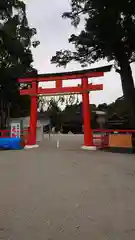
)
(59, 194)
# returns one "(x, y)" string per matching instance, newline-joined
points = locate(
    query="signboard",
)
(120, 140)
(15, 130)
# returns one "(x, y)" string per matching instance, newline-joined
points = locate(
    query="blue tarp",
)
(10, 143)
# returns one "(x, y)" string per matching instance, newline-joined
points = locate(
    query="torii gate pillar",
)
(88, 134)
(33, 117)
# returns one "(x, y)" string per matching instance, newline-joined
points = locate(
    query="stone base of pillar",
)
(89, 148)
(31, 146)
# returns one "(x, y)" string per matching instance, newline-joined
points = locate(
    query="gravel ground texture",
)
(66, 193)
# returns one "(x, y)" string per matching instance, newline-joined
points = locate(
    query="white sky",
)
(53, 34)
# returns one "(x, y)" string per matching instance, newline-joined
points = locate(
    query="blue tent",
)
(11, 144)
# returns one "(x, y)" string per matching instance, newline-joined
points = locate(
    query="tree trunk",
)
(127, 85)
(4, 114)
(8, 115)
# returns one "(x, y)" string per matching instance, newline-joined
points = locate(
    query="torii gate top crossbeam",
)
(58, 78)
(89, 73)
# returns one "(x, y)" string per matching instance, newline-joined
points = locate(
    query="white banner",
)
(15, 130)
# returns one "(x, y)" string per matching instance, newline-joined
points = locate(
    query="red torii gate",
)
(84, 89)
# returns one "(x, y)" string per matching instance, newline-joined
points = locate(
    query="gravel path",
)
(66, 194)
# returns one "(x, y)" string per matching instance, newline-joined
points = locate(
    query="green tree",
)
(54, 114)
(16, 40)
(109, 33)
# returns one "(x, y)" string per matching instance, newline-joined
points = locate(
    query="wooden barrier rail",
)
(104, 136)
(6, 133)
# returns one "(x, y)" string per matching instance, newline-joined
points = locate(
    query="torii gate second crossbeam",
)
(83, 89)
